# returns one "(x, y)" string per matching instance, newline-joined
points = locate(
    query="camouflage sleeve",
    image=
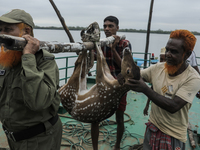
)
(40, 79)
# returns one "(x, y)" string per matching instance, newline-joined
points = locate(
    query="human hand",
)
(198, 95)
(137, 85)
(114, 44)
(32, 45)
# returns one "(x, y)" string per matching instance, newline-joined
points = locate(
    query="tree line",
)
(159, 31)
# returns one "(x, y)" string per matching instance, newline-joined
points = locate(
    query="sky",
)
(168, 15)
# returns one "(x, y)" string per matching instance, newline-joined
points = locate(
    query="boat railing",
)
(138, 60)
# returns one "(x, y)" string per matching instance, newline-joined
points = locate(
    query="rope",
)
(82, 132)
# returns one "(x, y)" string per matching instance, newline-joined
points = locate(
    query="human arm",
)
(197, 69)
(40, 79)
(194, 65)
(170, 105)
(145, 111)
(115, 53)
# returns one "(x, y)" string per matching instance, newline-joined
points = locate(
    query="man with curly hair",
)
(175, 84)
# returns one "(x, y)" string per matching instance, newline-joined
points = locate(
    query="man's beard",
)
(9, 58)
(172, 69)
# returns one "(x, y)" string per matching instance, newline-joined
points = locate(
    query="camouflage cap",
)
(17, 16)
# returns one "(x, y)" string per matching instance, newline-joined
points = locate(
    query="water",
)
(137, 40)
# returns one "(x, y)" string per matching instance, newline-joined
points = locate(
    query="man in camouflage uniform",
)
(29, 81)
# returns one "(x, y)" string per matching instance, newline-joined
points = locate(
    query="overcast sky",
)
(167, 14)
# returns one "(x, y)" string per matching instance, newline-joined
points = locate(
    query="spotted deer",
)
(102, 99)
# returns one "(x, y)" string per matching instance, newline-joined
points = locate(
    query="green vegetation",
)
(159, 31)
(59, 28)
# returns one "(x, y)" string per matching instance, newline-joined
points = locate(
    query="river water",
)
(137, 40)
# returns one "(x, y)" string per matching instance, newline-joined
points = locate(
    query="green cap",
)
(17, 16)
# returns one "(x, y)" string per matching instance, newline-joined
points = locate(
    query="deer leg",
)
(69, 92)
(102, 66)
(95, 135)
(83, 80)
(75, 78)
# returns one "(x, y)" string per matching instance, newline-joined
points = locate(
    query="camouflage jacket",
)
(28, 91)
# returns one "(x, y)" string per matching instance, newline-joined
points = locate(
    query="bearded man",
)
(28, 89)
(175, 84)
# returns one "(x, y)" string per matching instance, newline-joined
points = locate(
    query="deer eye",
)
(128, 71)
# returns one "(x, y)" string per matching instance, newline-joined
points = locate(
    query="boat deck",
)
(78, 134)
